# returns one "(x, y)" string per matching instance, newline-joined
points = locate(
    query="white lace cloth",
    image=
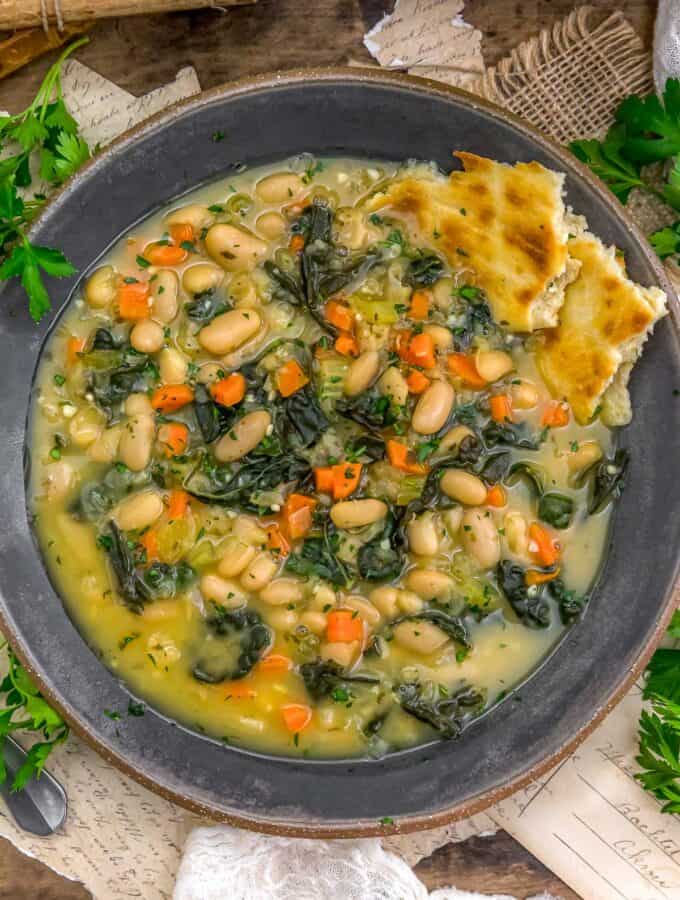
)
(666, 43)
(223, 863)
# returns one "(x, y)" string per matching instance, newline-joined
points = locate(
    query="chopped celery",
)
(480, 595)
(332, 371)
(374, 310)
(410, 488)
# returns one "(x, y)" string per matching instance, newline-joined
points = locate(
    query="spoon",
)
(41, 806)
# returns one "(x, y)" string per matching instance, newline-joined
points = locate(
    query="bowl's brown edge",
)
(406, 824)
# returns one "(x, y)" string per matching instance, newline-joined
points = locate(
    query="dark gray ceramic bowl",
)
(369, 114)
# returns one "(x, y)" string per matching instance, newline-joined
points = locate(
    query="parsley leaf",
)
(666, 241)
(606, 161)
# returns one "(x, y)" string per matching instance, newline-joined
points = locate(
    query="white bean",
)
(236, 555)
(249, 531)
(463, 486)
(271, 225)
(454, 437)
(229, 331)
(409, 602)
(493, 364)
(173, 366)
(259, 572)
(243, 437)
(136, 442)
(138, 405)
(453, 519)
(423, 538)
(210, 372)
(516, 533)
(234, 249)
(323, 597)
(366, 610)
(194, 214)
(344, 654)
(392, 384)
(202, 277)
(357, 513)
(442, 337)
(419, 636)
(283, 619)
(105, 448)
(314, 621)
(243, 291)
(219, 590)
(430, 584)
(147, 336)
(86, 426)
(280, 187)
(282, 591)
(139, 510)
(164, 292)
(585, 455)
(384, 598)
(479, 537)
(59, 479)
(433, 408)
(524, 395)
(362, 373)
(101, 288)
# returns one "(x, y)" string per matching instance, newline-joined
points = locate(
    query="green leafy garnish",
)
(23, 708)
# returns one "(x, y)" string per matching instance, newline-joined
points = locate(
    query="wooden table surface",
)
(144, 52)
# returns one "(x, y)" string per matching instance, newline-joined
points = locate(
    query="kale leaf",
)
(446, 714)
(322, 677)
(571, 604)
(212, 419)
(529, 604)
(380, 558)
(424, 270)
(241, 639)
(608, 479)
(304, 418)
(134, 591)
(319, 556)
(205, 307)
(453, 626)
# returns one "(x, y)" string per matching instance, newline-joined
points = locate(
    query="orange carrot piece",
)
(416, 349)
(495, 496)
(178, 504)
(501, 408)
(556, 415)
(347, 344)
(346, 478)
(182, 233)
(296, 716)
(290, 378)
(173, 438)
(420, 304)
(230, 390)
(533, 576)
(547, 551)
(275, 662)
(464, 367)
(340, 315)
(276, 540)
(165, 254)
(74, 347)
(297, 243)
(402, 458)
(149, 540)
(133, 301)
(296, 515)
(344, 626)
(171, 397)
(417, 382)
(239, 690)
(323, 479)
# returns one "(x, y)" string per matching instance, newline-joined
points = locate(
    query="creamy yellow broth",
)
(157, 645)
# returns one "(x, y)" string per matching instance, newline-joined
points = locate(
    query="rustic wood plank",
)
(23, 878)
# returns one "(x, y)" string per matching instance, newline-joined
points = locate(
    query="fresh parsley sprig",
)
(44, 137)
(23, 708)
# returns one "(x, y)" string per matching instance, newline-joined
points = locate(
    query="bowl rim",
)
(415, 822)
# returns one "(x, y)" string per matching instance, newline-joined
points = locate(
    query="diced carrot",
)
(340, 315)
(133, 301)
(296, 716)
(178, 504)
(171, 397)
(74, 347)
(495, 496)
(464, 367)
(276, 540)
(416, 349)
(501, 408)
(344, 626)
(402, 458)
(533, 576)
(546, 550)
(239, 690)
(165, 254)
(347, 344)
(420, 304)
(297, 243)
(323, 479)
(182, 233)
(296, 515)
(275, 662)
(346, 478)
(417, 382)
(290, 378)
(173, 438)
(149, 540)
(556, 415)
(230, 390)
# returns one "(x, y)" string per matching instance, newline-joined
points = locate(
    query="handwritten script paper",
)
(428, 38)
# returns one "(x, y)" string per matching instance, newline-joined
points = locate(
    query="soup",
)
(297, 483)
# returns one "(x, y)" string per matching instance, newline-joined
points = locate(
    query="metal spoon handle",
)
(42, 805)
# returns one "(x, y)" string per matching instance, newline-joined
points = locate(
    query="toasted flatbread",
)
(504, 223)
(604, 322)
